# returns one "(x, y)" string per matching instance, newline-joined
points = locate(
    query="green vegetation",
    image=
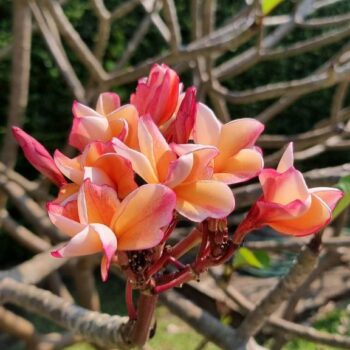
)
(337, 321)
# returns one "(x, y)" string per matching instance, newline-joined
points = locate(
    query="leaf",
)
(344, 185)
(245, 257)
(263, 257)
(268, 5)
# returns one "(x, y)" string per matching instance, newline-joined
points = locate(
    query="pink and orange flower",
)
(287, 204)
(97, 221)
(164, 152)
(238, 159)
(107, 121)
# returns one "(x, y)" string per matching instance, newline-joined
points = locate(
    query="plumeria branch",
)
(281, 325)
(22, 22)
(203, 322)
(101, 329)
(256, 319)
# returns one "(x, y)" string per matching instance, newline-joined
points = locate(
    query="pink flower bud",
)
(38, 156)
(158, 94)
(181, 128)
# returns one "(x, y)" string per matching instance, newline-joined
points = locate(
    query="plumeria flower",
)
(188, 175)
(158, 94)
(38, 156)
(100, 163)
(287, 204)
(97, 221)
(107, 121)
(238, 159)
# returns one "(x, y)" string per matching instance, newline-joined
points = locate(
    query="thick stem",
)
(129, 302)
(145, 315)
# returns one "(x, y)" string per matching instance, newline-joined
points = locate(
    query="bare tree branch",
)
(256, 319)
(22, 29)
(280, 324)
(243, 61)
(84, 281)
(35, 269)
(30, 209)
(75, 42)
(101, 329)
(203, 322)
(123, 9)
(18, 327)
(156, 19)
(58, 54)
(22, 235)
(307, 45)
(316, 23)
(173, 22)
(338, 101)
(306, 85)
(104, 28)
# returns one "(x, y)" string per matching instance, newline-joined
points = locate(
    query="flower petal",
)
(181, 128)
(107, 103)
(79, 111)
(38, 156)
(67, 193)
(141, 216)
(88, 129)
(202, 199)
(95, 150)
(154, 147)
(207, 127)
(65, 217)
(243, 166)
(119, 171)
(71, 168)
(97, 204)
(158, 94)
(283, 188)
(92, 239)
(179, 170)
(97, 176)
(129, 113)
(287, 159)
(329, 195)
(235, 136)
(318, 216)
(203, 156)
(119, 128)
(140, 164)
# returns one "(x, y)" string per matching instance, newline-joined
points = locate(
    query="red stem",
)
(129, 302)
(202, 251)
(178, 264)
(185, 245)
(183, 277)
(169, 230)
(145, 315)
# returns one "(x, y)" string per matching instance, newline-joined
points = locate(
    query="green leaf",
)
(263, 257)
(268, 5)
(245, 257)
(344, 185)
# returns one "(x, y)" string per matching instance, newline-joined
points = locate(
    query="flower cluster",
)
(164, 155)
